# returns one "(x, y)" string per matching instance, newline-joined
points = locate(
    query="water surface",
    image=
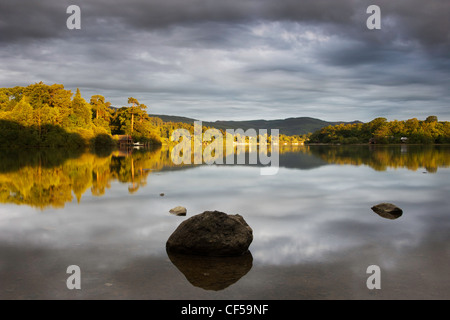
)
(314, 232)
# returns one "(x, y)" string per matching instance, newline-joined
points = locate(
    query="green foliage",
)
(381, 131)
(22, 113)
(81, 116)
(101, 112)
(431, 119)
(40, 115)
(52, 177)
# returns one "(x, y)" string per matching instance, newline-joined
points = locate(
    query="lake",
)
(315, 234)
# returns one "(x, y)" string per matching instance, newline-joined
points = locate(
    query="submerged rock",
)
(211, 233)
(387, 210)
(179, 211)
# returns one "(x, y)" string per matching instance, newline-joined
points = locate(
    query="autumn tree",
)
(101, 112)
(416, 131)
(431, 119)
(81, 112)
(23, 113)
(100, 107)
(136, 109)
(133, 110)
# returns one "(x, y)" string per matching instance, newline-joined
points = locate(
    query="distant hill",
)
(289, 126)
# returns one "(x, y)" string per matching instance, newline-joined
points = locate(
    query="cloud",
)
(237, 59)
(427, 23)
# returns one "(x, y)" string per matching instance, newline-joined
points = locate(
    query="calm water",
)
(314, 232)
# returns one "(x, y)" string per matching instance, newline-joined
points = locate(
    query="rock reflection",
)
(212, 273)
(389, 215)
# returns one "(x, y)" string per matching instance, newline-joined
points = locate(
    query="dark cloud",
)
(426, 22)
(238, 58)
(21, 20)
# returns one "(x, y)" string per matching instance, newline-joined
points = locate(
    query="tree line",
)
(41, 115)
(381, 131)
(51, 116)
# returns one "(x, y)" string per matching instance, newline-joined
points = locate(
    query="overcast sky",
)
(238, 59)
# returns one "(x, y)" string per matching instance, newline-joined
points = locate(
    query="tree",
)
(377, 123)
(4, 99)
(120, 121)
(142, 113)
(59, 97)
(43, 115)
(23, 113)
(411, 126)
(132, 110)
(138, 109)
(82, 114)
(431, 119)
(102, 113)
(38, 94)
(100, 107)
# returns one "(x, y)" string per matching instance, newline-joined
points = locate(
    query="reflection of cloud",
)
(340, 220)
(299, 217)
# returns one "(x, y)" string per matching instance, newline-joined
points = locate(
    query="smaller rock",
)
(179, 211)
(161, 194)
(387, 210)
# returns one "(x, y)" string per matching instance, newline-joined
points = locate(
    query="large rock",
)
(387, 210)
(211, 233)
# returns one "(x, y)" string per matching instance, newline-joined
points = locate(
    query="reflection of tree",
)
(41, 181)
(52, 178)
(40, 186)
(380, 158)
(130, 170)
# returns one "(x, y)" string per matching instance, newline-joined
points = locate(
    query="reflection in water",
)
(389, 215)
(52, 177)
(315, 234)
(212, 273)
(49, 178)
(380, 158)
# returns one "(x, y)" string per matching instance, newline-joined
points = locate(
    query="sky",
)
(238, 59)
